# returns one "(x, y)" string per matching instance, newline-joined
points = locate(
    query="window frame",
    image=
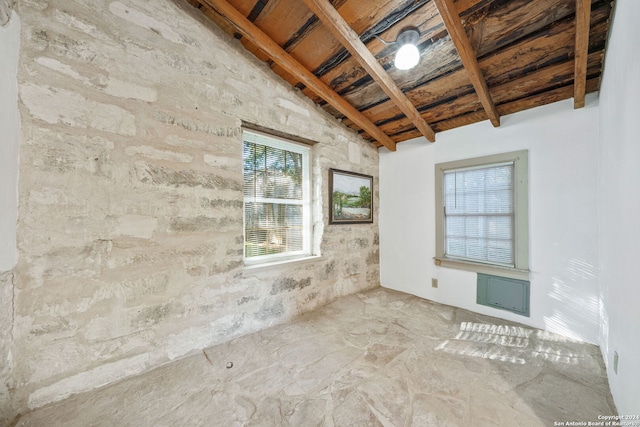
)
(266, 139)
(520, 160)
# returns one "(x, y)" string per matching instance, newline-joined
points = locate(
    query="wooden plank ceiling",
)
(480, 59)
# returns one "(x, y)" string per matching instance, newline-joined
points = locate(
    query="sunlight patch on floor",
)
(514, 344)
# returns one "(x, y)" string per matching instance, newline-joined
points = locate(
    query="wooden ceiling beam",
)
(282, 58)
(467, 55)
(334, 22)
(583, 16)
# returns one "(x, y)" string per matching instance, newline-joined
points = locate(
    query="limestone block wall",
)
(130, 218)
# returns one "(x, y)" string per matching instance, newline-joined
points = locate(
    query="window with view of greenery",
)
(277, 211)
(482, 214)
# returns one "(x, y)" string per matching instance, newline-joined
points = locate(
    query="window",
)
(482, 214)
(277, 202)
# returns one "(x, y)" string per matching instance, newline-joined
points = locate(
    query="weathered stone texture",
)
(6, 6)
(6, 355)
(130, 225)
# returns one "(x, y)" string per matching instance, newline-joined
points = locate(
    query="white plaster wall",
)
(619, 207)
(10, 142)
(562, 145)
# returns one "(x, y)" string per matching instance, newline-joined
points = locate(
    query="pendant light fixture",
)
(408, 55)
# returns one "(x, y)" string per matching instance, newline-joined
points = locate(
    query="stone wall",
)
(6, 6)
(6, 356)
(130, 222)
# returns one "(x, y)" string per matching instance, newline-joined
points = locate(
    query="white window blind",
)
(276, 197)
(479, 214)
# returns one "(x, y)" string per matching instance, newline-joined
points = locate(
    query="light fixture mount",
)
(409, 35)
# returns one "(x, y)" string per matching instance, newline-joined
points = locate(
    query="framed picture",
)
(350, 197)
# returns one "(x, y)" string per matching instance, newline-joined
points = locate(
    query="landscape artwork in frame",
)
(350, 197)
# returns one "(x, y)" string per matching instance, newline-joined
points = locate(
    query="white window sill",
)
(495, 270)
(293, 262)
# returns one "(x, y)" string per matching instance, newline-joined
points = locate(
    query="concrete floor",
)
(380, 358)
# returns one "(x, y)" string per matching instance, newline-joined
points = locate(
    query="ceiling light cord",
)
(386, 43)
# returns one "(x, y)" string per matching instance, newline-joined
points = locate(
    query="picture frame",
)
(350, 197)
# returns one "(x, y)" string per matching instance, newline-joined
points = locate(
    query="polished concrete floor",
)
(379, 358)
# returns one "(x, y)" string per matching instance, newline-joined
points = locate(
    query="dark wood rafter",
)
(467, 55)
(277, 54)
(527, 53)
(332, 19)
(583, 16)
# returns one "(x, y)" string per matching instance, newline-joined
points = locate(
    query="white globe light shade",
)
(407, 57)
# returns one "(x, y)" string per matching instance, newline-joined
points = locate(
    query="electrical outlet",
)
(615, 362)
(434, 283)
